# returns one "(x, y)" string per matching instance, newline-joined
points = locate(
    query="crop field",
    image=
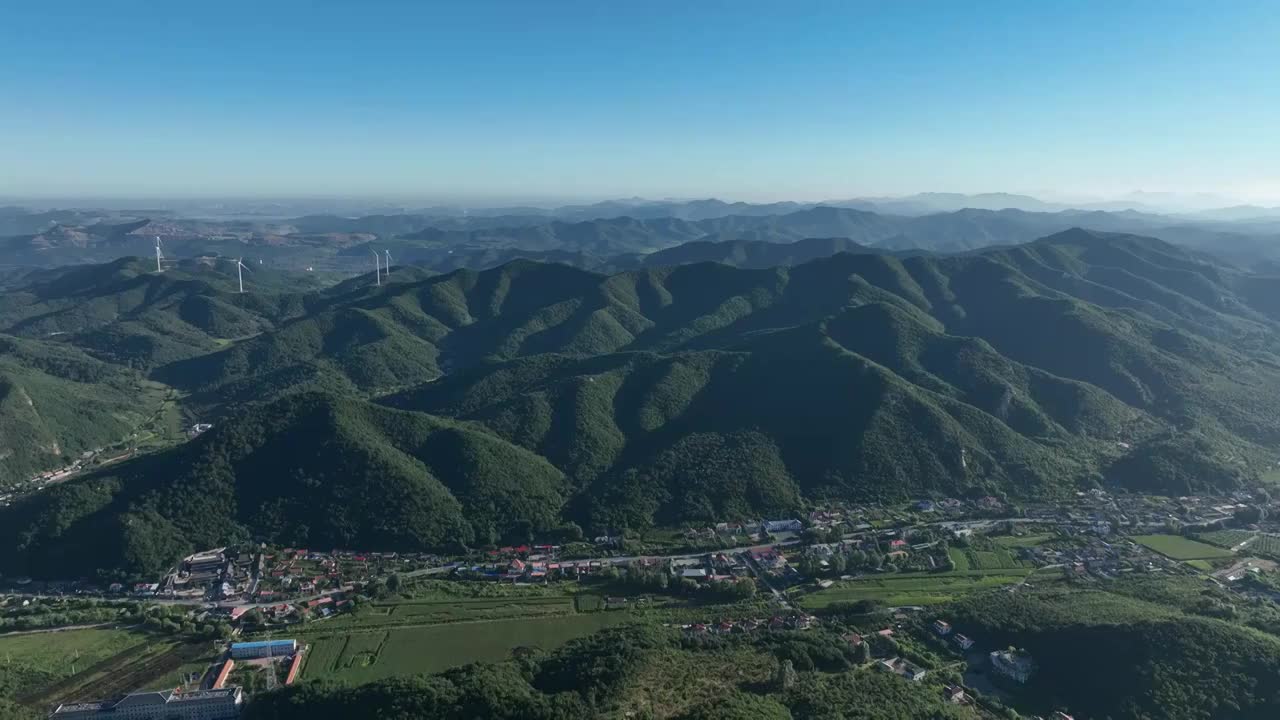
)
(431, 611)
(365, 656)
(33, 663)
(960, 558)
(361, 650)
(1017, 541)
(479, 609)
(1259, 543)
(911, 589)
(1267, 545)
(1181, 548)
(1226, 538)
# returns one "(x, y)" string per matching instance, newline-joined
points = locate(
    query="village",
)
(893, 562)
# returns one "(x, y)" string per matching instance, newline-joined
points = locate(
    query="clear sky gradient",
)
(543, 98)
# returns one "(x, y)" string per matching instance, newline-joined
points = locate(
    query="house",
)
(925, 506)
(1013, 664)
(964, 642)
(898, 666)
(615, 603)
(942, 627)
(774, 526)
(694, 573)
(953, 694)
(897, 544)
(854, 639)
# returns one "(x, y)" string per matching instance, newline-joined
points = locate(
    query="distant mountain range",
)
(482, 405)
(442, 244)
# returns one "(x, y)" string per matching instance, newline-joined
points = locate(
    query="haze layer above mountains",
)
(608, 236)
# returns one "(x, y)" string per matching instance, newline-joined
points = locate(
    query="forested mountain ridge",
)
(697, 392)
(368, 477)
(56, 403)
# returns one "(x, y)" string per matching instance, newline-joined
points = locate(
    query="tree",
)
(864, 653)
(393, 583)
(744, 588)
(838, 564)
(785, 676)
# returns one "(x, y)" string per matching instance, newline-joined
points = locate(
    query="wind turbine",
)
(388, 254)
(377, 268)
(240, 268)
(159, 256)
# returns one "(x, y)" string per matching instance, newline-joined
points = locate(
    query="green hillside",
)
(1104, 655)
(668, 394)
(125, 313)
(369, 477)
(56, 403)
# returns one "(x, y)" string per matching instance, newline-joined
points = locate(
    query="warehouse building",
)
(222, 704)
(263, 649)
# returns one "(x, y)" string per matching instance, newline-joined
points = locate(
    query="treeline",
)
(814, 676)
(1103, 655)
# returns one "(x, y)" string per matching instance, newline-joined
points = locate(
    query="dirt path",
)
(66, 628)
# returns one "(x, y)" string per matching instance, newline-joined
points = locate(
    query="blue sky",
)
(546, 99)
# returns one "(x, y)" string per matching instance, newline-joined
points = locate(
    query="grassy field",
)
(1017, 541)
(911, 588)
(1201, 565)
(433, 610)
(1181, 548)
(1259, 543)
(361, 657)
(32, 663)
(1226, 538)
(960, 558)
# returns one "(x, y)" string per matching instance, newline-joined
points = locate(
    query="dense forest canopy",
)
(482, 405)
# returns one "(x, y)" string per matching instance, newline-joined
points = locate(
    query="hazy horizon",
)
(507, 103)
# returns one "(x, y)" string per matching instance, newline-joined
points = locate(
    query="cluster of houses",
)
(943, 629)
(522, 565)
(746, 530)
(41, 480)
(801, 621)
(211, 574)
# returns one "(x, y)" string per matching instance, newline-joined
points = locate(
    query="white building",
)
(221, 704)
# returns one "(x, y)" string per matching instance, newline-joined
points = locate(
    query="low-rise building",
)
(1013, 664)
(219, 704)
(263, 649)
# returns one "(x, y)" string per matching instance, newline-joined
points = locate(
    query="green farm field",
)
(1226, 538)
(32, 663)
(1017, 541)
(1181, 548)
(361, 657)
(912, 589)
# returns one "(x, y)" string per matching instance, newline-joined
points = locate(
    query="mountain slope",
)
(371, 477)
(56, 403)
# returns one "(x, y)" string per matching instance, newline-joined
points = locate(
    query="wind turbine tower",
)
(377, 268)
(159, 256)
(388, 254)
(240, 268)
